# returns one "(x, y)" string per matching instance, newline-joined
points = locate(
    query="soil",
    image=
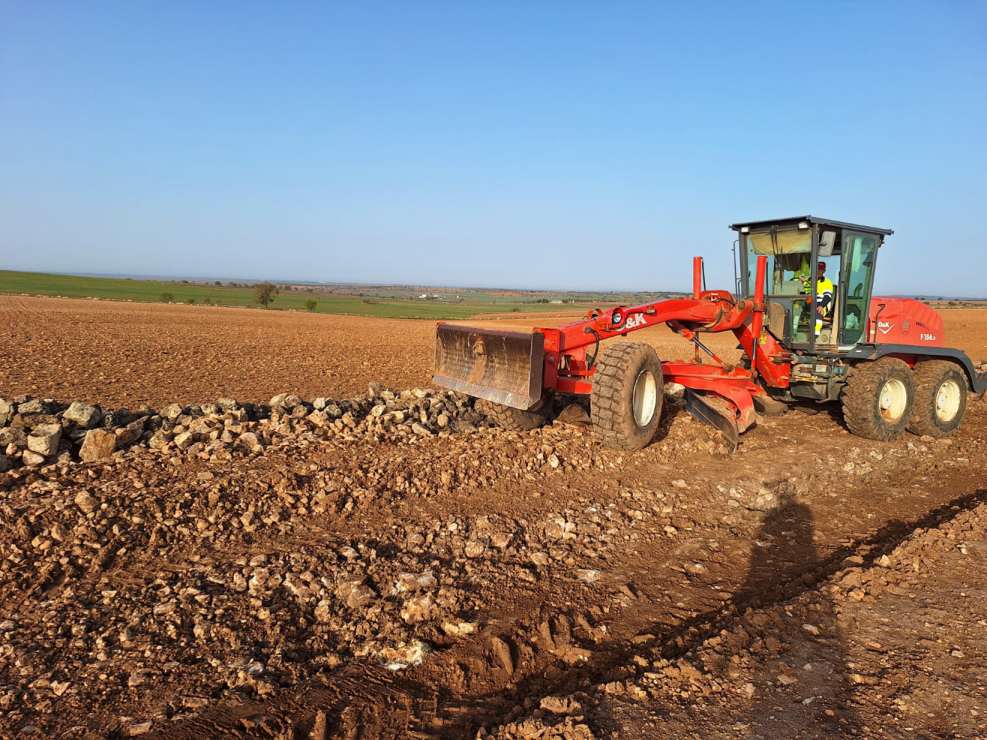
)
(126, 354)
(483, 582)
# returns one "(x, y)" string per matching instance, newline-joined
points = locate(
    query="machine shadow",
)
(814, 655)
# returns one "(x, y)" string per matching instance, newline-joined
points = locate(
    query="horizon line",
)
(389, 284)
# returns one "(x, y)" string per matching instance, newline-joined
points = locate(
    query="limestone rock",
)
(6, 412)
(98, 445)
(129, 434)
(32, 459)
(44, 439)
(85, 502)
(83, 415)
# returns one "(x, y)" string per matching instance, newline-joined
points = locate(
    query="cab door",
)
(856, 283)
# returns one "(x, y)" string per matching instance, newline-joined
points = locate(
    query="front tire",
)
(940, 398)
(879, 399)
(510, 418)
(627, 395)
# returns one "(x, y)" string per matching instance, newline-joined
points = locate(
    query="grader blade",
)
(709, 410)
(501, 366)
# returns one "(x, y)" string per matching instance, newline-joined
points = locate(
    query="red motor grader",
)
(883, 359)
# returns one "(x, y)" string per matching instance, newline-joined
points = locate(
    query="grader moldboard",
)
(882, 358)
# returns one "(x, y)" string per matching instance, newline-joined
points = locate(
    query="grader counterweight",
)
(803, 336)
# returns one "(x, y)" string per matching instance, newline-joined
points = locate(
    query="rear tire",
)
(510, 418)
(940, 398)
(879, 398)
(627, 395)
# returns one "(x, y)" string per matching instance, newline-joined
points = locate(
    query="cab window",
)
(788, 252)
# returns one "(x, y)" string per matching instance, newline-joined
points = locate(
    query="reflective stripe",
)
(824, 295)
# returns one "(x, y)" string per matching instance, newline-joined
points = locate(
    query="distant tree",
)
(265, 292)
(218, 282)
(190, 301)
(310, 305)
(207, 300)
(167, 297)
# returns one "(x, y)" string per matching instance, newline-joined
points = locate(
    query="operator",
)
(824, 296)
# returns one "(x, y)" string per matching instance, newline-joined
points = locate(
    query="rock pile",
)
(35, 432)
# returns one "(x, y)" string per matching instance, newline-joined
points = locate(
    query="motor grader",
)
(882, 358)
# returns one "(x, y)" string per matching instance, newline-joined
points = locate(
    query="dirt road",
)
(465, 581)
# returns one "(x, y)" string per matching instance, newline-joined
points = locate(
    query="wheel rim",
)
(893, 399)
(645, 398)
(948, 401)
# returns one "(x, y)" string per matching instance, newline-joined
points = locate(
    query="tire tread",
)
(510, 418)
(929, 374)
(859, 398)
(613, 423)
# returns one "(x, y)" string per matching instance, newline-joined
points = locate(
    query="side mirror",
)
(827, 240)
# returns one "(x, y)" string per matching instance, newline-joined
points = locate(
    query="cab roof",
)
(792, 220)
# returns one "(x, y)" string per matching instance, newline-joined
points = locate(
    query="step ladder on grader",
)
(884, 359)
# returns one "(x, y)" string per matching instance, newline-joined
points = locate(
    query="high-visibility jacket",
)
(824, 296)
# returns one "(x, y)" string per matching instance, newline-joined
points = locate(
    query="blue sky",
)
(569, 144)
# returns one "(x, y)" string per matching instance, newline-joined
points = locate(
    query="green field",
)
(158, 291)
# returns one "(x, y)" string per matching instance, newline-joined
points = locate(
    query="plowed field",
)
(464, 581)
